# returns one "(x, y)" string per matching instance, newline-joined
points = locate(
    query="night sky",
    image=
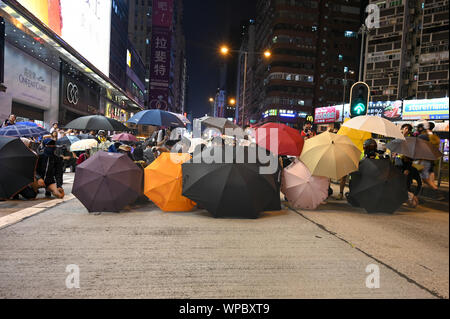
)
(208, 24)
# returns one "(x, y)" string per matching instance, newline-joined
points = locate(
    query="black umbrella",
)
(235, 189)
(415, 148)
(17, 166)
(96, 123)
(378, 186)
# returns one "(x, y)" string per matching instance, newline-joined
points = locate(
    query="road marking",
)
(31, 211)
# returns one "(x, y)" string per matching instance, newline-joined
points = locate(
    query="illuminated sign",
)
(329, 114)
(128, 58)
(287, 113)
(434, 109)
(83, 24)
(390, 110)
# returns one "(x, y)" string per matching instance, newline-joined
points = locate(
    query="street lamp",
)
(232, 101)
(224, 50)
(211, 101)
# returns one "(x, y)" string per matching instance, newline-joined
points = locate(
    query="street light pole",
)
(363, 31)
(245, 88)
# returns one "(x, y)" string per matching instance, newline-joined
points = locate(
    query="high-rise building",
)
(313, 43)
(434, 60)
(407, 57)
(156, 31)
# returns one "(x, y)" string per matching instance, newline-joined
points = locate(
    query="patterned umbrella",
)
(23, 131)
(124, 137)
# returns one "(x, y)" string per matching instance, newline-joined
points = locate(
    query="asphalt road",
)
(145, 253)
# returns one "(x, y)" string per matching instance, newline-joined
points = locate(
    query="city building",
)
(407, 57)
(51, 72)
(314, 44)
(156, 30)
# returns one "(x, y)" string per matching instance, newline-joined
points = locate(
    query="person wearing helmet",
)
(370, 149)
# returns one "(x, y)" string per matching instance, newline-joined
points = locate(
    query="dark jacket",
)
(46, 168)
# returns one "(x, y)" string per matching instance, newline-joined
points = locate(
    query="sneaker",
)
(340, 196)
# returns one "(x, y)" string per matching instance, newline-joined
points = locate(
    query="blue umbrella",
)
(23, 131)
(27, 124)
(67, 140)
(156, 118)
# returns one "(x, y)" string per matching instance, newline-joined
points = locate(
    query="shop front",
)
(32, 88)
(328, 118)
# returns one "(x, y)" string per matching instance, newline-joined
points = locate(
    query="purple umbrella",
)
(107, 182)
(23, 131)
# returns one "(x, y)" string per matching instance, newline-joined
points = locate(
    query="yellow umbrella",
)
(358, 137)
(83, 145)
(330, 155)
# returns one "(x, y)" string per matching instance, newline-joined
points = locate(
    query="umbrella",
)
(156, 118)
(17, 166)
(358, 137)
(27, 124)
(96, 123)
(107, 182)
(163, 183)
(222, 124)
(303, 190)
(375, 124)
(181, 117)
(231, 189)
(378, 186)
(67, 140)
(86, 137)
(23, 131)
(124, 137)
(330, 155)
(415, 148)
(83, 145)
(287, 140)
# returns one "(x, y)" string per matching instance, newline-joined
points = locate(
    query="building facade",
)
(312, 44)
(407, 57)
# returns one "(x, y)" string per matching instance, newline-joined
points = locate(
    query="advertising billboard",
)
(84, 24)
(160, 64)
(434, 109)
(329, 114)
(390, 110)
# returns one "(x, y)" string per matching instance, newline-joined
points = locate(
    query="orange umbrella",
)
(164, 183)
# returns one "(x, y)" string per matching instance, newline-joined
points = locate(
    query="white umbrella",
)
(83, 145)
(181, 117)
(376, 125)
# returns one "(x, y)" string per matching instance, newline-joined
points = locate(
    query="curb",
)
(31, 211)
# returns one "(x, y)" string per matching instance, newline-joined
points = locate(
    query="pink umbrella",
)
(303, 190)
(124, 137)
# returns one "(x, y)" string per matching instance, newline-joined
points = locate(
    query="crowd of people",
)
(54, 158)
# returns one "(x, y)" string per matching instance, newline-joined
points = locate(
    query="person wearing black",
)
(412, 174)
(47, 170)
(138, 152)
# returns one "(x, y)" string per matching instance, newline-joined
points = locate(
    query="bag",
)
(418, 165)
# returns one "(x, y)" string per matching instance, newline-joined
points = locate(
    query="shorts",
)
(425, 172)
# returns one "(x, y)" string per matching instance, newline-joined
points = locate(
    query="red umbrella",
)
(286, 139)
(124, 137)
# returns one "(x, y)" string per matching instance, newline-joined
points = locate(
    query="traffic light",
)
(359, 99)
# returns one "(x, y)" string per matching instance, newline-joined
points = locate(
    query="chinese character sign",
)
(160, 68)
(162, 13)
